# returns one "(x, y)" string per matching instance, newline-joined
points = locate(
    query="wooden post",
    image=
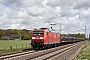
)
(11, 47)
(5, 48)
(22, 46)
(26, 45)
(16, 46)
(29, 45)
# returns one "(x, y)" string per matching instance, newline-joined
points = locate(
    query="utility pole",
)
(87, 35)
(60, 30)
(85, 32)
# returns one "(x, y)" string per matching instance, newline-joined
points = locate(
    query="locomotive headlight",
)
(33, 37)
(41, 37)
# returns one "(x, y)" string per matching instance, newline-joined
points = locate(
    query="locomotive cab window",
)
(38, 33)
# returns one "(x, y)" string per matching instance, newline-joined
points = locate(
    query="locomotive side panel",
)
(48, 37)
(45, 37)
(52, 38)
(59, 38)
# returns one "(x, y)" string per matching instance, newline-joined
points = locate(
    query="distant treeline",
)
(74, 35)
(26, 34)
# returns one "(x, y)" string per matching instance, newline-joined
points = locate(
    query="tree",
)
(15, 31)
(26, 37)
(2, 33)
(30, 34)
(82, 35)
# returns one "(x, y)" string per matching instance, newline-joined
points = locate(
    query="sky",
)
(72, 15)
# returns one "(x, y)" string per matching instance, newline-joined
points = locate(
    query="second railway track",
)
(11, 56)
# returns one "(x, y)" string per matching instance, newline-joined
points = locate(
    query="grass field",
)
(17, 45)
(85, 53)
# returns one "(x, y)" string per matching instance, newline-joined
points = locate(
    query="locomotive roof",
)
(41, 29)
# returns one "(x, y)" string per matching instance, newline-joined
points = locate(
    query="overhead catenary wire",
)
(26, 12)
(55, 14)
(14, 8)
(17, 8)
(46, 8)
(20, 3)
(50, 10)
(30, 15)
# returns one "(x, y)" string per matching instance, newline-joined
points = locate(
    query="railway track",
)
(68, 54)
(53, 53)
(13, 55)
(56, 53)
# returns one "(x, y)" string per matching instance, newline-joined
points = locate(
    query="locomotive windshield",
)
(38, 33)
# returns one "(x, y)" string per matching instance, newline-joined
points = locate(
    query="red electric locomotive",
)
(43, 38)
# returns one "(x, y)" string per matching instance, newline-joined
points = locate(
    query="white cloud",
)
(65, 13)
(85, 13)
(62, 3)
(82, 4)
(68, 12)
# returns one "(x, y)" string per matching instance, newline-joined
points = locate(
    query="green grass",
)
(17, 46)
(18, 43)
(3, 52)
(85, 53)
